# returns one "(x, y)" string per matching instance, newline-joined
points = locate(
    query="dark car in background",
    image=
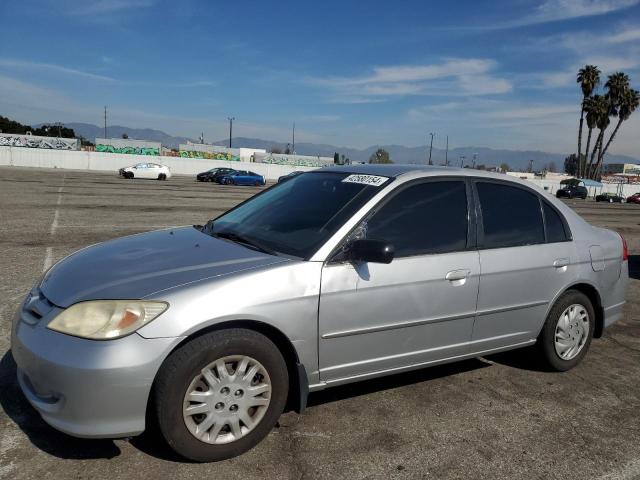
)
(572, 191)
(289, 176)
(241, 177)
(635, 198)
(211, 175)
(609, 197)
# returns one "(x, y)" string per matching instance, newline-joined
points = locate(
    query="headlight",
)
(106, 319)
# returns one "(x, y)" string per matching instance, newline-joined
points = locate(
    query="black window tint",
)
(427, 218)
(555, 226)
(511, 216)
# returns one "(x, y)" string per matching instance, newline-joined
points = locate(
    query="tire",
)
(183, 367)
(129, 175)
(162, 176)
(571, 301)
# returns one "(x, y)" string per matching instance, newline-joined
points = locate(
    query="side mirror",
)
(374, 251)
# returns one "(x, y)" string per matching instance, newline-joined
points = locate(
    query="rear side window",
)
(555, 226)
(430, 217)
(511, 216)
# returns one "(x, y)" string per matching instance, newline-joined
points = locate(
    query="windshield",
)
(295, 218)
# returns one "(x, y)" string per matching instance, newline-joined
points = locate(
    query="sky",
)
(497, 74)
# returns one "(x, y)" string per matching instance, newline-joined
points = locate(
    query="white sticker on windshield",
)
(373, 180)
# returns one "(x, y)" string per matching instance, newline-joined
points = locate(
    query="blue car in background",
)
(241, 177)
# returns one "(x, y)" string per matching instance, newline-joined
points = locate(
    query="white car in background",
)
(146, 170)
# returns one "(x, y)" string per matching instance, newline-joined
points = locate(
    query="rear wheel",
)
(162, 176)
(128, 175)
(567, 332)
(220, 394)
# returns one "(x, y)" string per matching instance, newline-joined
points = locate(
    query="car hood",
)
(139, 265)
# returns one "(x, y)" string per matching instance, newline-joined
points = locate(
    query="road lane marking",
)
(48, 256)
(48, 259)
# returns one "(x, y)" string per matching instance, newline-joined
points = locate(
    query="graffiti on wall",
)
(210, 155)
(292, 160)
(32, 141)
(128, 150)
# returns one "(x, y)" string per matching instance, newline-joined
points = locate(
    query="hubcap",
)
(572, 331)
(227, 399)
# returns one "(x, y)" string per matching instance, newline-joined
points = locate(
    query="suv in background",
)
(572, 191)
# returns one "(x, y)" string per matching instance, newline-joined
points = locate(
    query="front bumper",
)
(87, 388)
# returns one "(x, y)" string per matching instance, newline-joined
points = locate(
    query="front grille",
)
(36, 307)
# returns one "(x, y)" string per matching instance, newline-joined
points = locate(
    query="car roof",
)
(398, 170)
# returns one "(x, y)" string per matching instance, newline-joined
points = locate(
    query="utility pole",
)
(231, 119)
(431, 148)
(446, 153)
(530, 169)
(105, 121)
(293, 143)
(461, 161)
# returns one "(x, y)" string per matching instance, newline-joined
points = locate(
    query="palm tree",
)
(629, 101)
(617, 85)
(588, 78)
(617, 92)
(591, 110)
(602, 109)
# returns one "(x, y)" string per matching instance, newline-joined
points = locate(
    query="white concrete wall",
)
(111, 162)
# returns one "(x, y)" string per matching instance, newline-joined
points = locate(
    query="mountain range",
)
(516, 159)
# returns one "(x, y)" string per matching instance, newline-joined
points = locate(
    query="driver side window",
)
(426, 218)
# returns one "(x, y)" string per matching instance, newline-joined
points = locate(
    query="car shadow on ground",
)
(526, 358)
(63, 446)
(634, 267)
(39, 433)
(390, 382)
(151, 443)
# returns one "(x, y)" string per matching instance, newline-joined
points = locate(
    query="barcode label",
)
(373, 180)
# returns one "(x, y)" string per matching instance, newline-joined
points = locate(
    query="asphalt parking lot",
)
(497, 417)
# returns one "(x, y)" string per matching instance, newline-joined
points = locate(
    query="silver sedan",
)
(334, 276)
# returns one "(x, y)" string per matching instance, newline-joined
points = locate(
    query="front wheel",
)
(567, 332)
(220, 394)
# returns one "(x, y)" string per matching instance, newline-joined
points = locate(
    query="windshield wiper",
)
(235, 237)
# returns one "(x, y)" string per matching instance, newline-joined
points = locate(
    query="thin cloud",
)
(52, 68)
(559, 10)
(472, 76)
(103, 7)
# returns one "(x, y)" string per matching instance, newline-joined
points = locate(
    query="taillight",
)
(625, 249)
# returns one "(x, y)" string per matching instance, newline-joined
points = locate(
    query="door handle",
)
(457, 275)
(561, 262)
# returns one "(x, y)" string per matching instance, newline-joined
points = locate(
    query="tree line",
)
(46, 130)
